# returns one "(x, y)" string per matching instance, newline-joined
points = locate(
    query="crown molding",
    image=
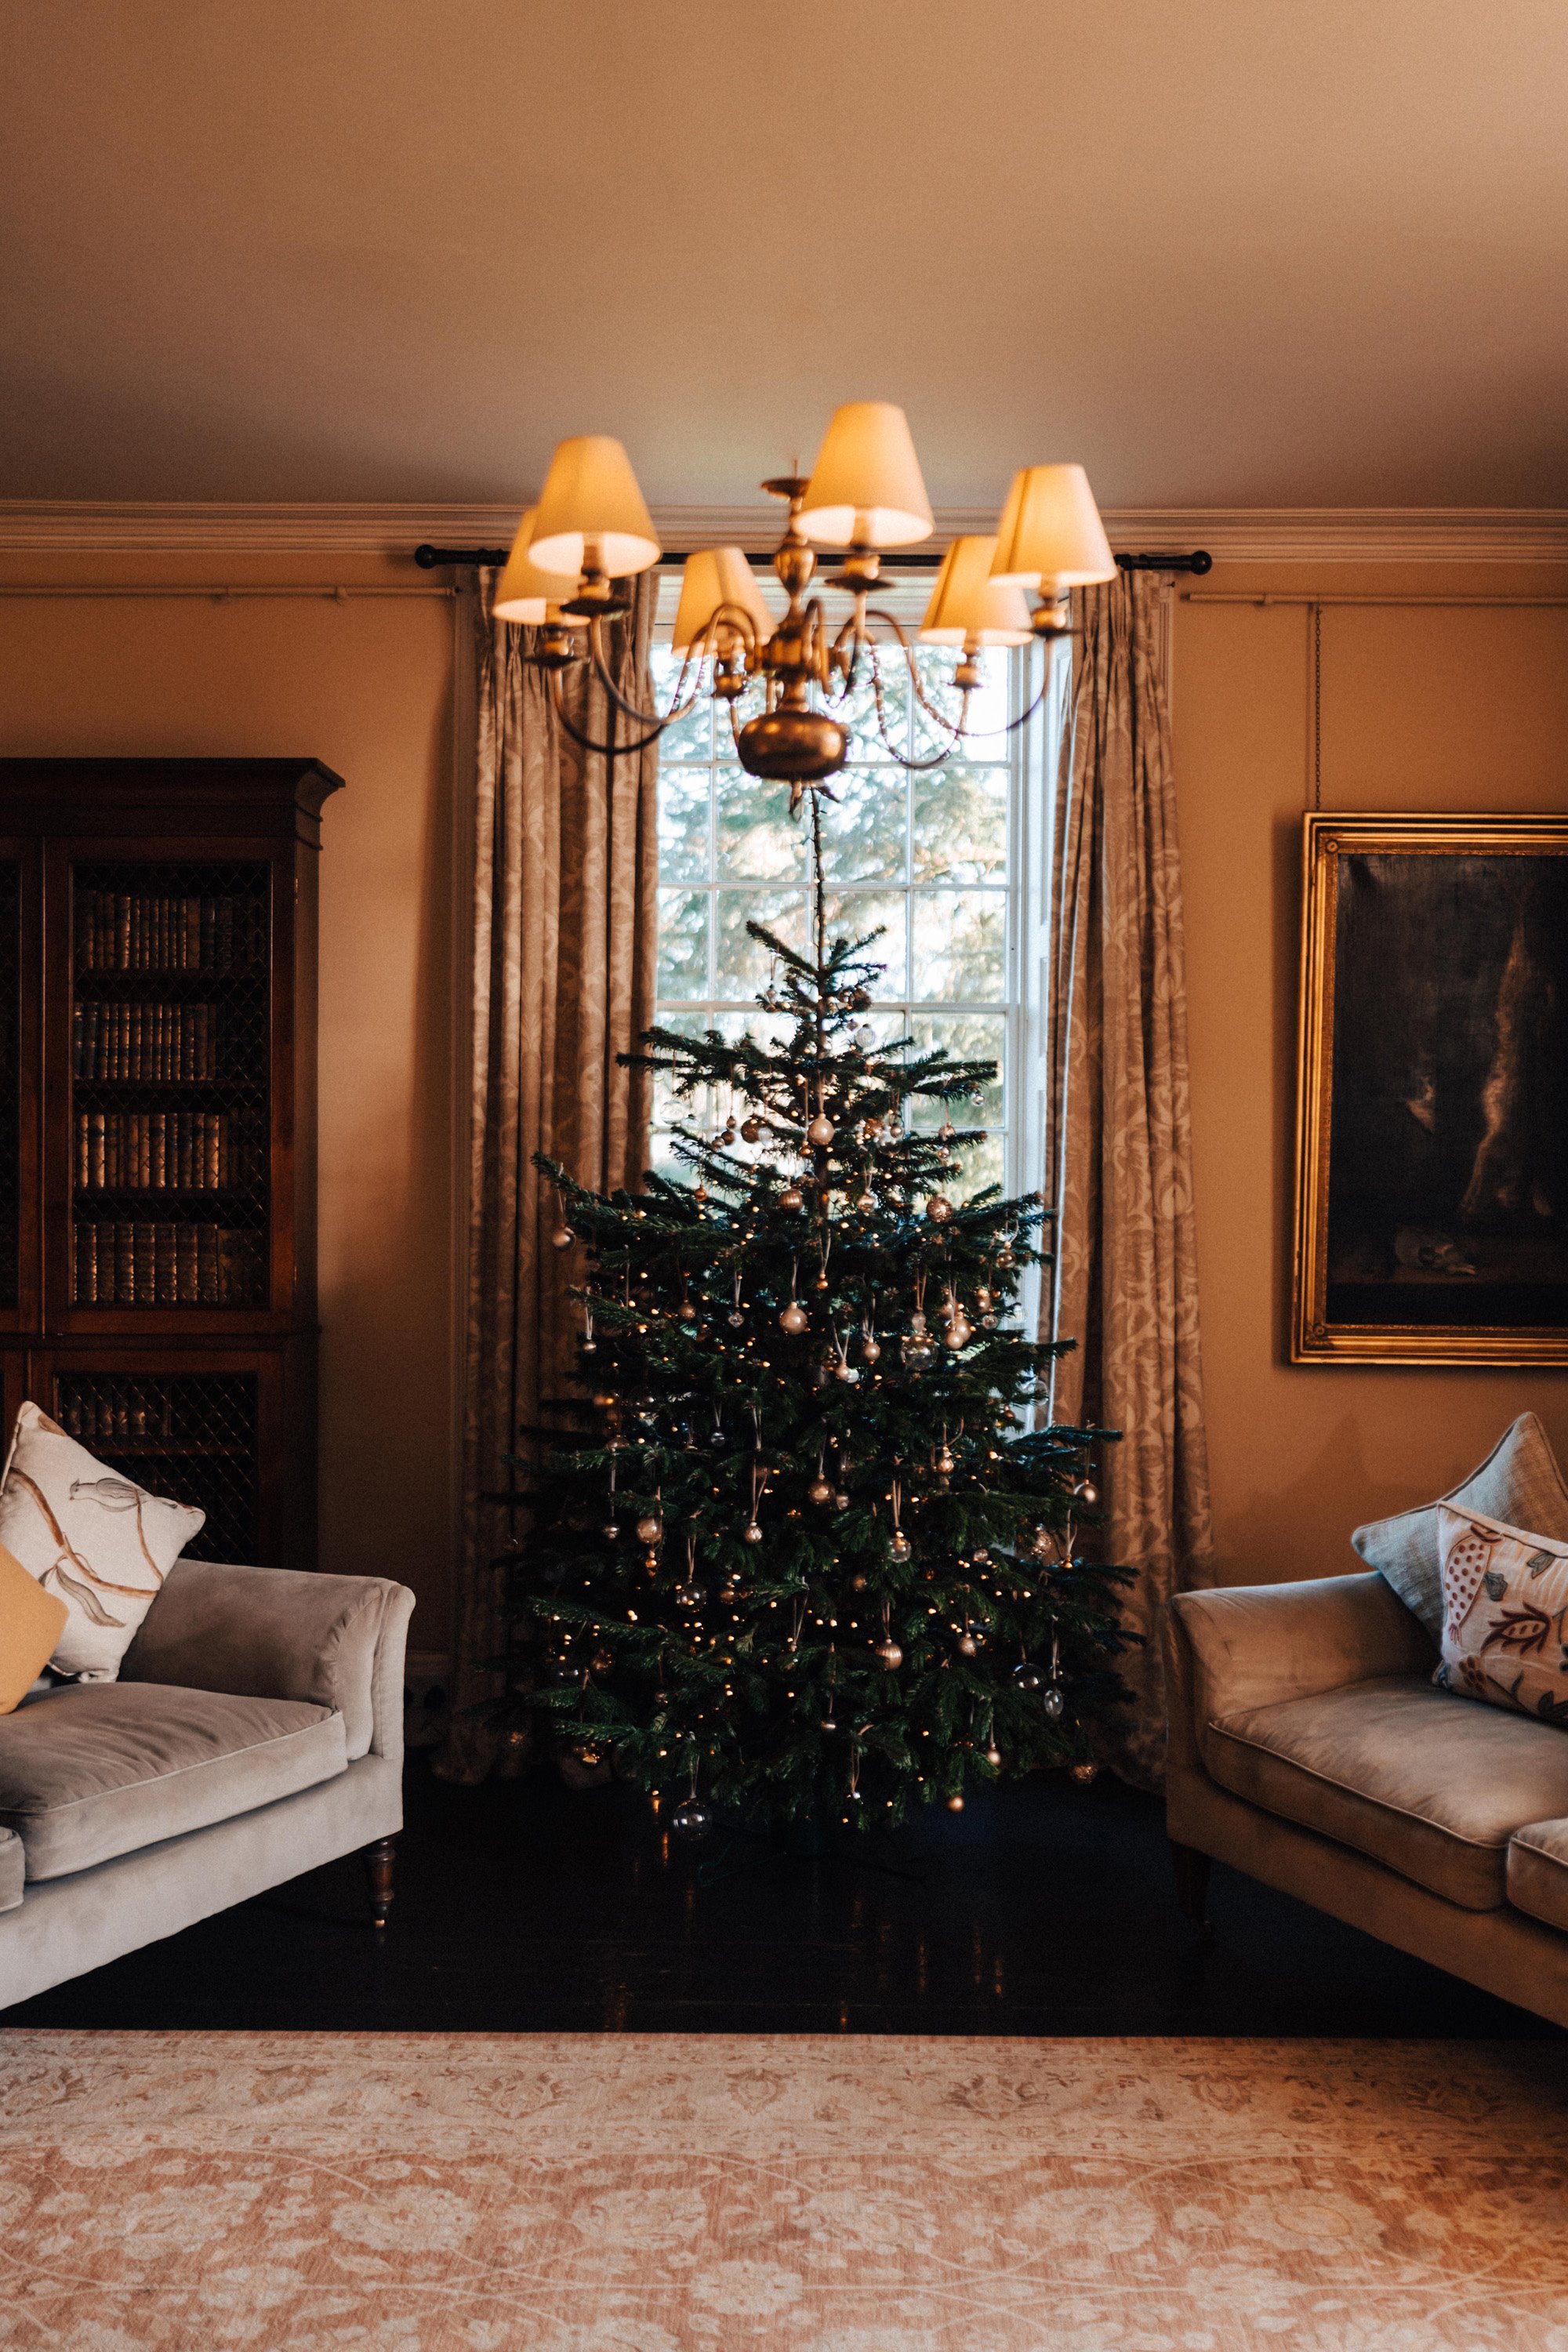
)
(1231, 534)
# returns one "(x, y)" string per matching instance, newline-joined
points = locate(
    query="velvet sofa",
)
(256, 1731)
(1309, 1747)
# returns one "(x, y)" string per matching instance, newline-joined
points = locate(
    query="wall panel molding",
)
(1231, 534)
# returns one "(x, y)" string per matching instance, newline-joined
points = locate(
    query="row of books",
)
(166, 1151)
(133, 1264)
(156, 1042)
(117, 932)
(131, 1408)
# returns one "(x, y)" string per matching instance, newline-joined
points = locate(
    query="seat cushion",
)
(1431, 1785)
(12, 1870)
(1538, 1872)
(98, 1768)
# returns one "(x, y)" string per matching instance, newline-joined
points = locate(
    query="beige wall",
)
(1421, 709)
(365, 686)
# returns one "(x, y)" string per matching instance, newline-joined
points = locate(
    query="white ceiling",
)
(1230, 252)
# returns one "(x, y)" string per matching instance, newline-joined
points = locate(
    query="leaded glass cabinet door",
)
(167, 1066)
(20, 1268)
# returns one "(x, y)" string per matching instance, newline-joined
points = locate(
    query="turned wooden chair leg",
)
(1191, 1869)
(378, 1861)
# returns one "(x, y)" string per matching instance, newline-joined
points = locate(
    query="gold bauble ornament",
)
(751, 1533)
(968, 1646)
(945, 1464)
(795, 1318)
(938, 1209)
(792, 1197)
(603, 1662)
(819, 1491)
(821, 1131)
(888, 1654)
(898, 1544)
(955, 1804)
(957, 1332)
(993, 1756)
(750, 1131)
(1083, 1773)
(563, 1238)
(858, 1582)
(650, 1530)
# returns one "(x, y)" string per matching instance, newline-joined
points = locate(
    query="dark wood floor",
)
(1043, 1909)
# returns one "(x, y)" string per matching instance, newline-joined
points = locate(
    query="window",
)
(934, 858)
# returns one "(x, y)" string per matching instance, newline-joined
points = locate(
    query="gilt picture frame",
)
(1431, 1206)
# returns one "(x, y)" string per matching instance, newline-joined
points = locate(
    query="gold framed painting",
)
(1431, 1221)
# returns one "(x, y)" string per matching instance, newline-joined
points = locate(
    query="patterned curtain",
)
(565, 947)
(1118, 1149)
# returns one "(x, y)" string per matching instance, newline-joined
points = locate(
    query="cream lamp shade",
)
(866, 488)
(591, 504)
(968, 607)
(715, 577)
(524, 593)
(1050, 535)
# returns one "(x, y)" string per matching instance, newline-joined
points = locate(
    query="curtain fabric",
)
(1119, 1146)
(565, 958)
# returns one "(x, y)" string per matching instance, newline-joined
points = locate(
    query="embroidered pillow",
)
(1518, 1482)
(1505, 1614)
(99, 1541)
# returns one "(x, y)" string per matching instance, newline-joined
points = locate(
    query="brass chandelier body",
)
(864, 495)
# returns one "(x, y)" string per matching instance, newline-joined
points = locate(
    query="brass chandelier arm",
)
(605, 751)
(958, 730)
(938, 759)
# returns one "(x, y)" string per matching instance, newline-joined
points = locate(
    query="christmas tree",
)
(804, 1552)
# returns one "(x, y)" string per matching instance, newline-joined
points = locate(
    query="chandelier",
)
(591, 531)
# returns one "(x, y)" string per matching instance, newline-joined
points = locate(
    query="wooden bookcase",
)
(158, 926)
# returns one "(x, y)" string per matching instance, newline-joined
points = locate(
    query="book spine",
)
(124, 1290)
(187, 1288)
(166, 1265)
(208, 1265)
(145, 1274)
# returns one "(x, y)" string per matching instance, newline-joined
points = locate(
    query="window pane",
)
(959, 947)
(682, 943)
(983, 1166)
(979, 1038)
(690, 738)
(756, 836)
(960, 824)
(740, 962)
(863, 831)
(683, 825)
(852, 913)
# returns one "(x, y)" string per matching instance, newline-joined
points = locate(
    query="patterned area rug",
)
(627, 2193)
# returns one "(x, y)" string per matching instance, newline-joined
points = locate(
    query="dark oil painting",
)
(1449, 1140)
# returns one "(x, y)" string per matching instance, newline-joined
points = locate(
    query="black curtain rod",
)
(434, 559)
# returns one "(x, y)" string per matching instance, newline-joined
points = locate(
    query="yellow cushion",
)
(31, 1622)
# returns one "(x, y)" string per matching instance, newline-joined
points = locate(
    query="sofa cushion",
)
(1518, 1482)
(98, 1539)
(1505, 1604)
(95, 1769)
(13, 1870)
(1538, 1872)
(1431, 1786)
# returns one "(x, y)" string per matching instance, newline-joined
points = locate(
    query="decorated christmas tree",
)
(803, 1553)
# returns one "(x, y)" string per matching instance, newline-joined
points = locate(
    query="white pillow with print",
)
(90, 1535)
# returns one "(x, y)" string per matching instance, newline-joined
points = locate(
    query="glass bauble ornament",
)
(857, 1582)
(819, 1491)
(898, 1544)
(866, 1203)
(1028, 1677)
(938, 1209)
(751, 1533)
(750, 1130)
(1045, 1544)
(1083, 1773)
(968, 1647)
(945, 1464)
(888, 1655)
(821, 1131)
(691, 1819)
(870, 1349)
(918, 1353)
(827, 1724)
(795, 1319)
(792, 1197)
(689, 1596)
(716, 1436)
(980, 1557)
(563, 1238)
(603, 1662)
(590, 1347)
(982, 1297)
(841, 1502)
(1086, 1494)
(688, 1312)
(736, 1321)
(650, 1530)
(610, 1532)
(946, 1131)
(846, 1372)
(993, 1757)
(956, 1803)
(1054, 1702)
(958, 1332)
(586, 1753)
